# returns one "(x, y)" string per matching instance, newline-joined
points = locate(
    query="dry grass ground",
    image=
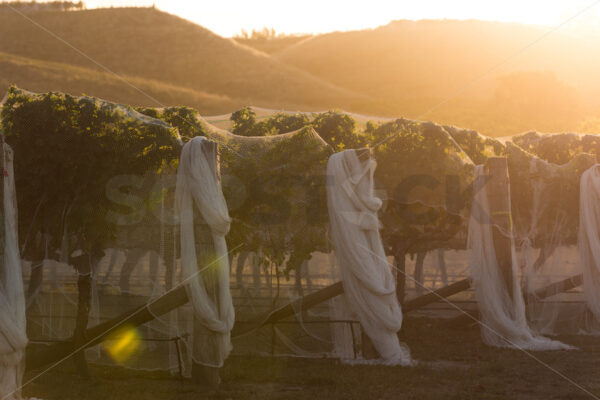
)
(454, 364)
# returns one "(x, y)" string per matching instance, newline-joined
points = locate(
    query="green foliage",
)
(339, 130)
(545, 196)
(478, 147)
(283, 214)
(557, 148)
(67, 151)
(184, 119)
(555, 183)
(245, 124)
(274, 184)
(244, 121)
(404, 150)
(427, 178)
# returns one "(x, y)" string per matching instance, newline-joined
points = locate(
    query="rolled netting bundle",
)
(13, 336)
(207, 282)
(545, 213)
(369, 287)
(589, 242)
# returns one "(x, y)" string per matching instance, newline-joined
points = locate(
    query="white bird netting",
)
(369, 286)
(500, 303)
(424, 177)
(589, 237)
(13, 337)
(207, 283)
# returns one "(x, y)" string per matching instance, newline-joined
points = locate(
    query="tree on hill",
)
(261, 34)
(25, 6)
(268, 40)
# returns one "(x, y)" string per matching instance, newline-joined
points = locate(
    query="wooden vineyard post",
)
(436, 295)
(498, 193)
(418, 274)
(442, 266)
(547, 291)
(169, 254)
(369, 352)
(400, 266)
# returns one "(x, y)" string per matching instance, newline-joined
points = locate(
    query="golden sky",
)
(228, 17)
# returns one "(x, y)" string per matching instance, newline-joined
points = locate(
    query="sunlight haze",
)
(300, 200)
(228, 18)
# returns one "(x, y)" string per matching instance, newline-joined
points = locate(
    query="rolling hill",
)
(432, 58)
(44, 76)
(405, 68)
(456, 72)
(151, 44)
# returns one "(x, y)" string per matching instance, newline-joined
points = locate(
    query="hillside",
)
(437, 57)
(405, 68)
(413, 66)
(150, 44)
(40, 76)
(271, 44)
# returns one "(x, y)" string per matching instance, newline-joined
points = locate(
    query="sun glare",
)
(311, 16)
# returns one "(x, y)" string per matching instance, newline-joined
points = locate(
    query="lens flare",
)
(122, 344)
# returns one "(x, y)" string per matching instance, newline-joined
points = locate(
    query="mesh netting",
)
(274, 183)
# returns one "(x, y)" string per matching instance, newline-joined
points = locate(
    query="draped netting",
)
(275, 226)
(95, 178)
(274, 184)
(369, 288)
(208, 285)
(589, 238)
(560, 253)
(545, 172)
(502, 313)
(13, 337)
